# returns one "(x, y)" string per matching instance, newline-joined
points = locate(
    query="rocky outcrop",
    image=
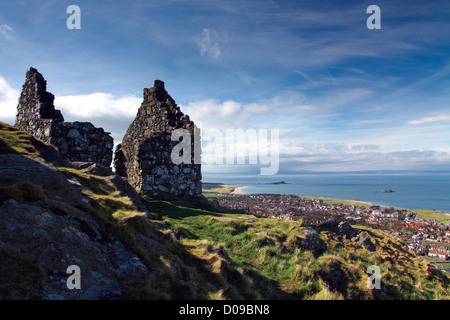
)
(354, 235)
(17, 168)
(56, 231)
(77, 141)
(144, 156)
(57, 241)
(310, 240)
(307, 239)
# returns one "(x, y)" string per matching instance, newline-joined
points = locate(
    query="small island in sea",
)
(277, 182)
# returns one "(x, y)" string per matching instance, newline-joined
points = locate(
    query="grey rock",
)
(56, 242)
(309, 239)
(347, 230)
(73, 133)
(364, 240)
(354, 235)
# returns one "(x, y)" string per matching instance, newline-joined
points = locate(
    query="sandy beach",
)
(238, 189)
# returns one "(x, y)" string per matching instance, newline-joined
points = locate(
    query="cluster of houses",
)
(441, 252)
(425, 237)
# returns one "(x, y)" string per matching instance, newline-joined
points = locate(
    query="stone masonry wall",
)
(144, 156)
(77, 141)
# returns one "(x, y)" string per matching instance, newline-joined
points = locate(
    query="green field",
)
(340, 201)
(216, 189)
(432, 215)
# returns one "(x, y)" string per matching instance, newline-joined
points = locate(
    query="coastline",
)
(238, 190)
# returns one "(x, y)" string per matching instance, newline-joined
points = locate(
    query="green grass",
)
(14, 141)
(445, 265)
(20, 278)
(214, 189)
(22, 191)
(96, 184)
(258, 247)
(433, 215)
(339, 201)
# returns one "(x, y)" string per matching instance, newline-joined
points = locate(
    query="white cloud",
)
(8, 102)
(98, 105)
(353, 157)
(7, 32)
(442, 117)
(209, 47)
(210, 110)
(227, 114)
(102, 109)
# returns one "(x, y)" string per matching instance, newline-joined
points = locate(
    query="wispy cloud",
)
(226, 114)
(343, 156)
(207, 41)
(438, 118)
(7, 32)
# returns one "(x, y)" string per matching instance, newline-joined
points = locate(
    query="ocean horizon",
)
(410, 190)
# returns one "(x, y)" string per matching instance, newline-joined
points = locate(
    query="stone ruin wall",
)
(77, 141)
(144, 156)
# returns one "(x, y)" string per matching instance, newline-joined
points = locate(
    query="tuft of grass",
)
(326, 294)
(97, 185)
(20, 278)
(14, 141)
(124, 215)
(22, 191)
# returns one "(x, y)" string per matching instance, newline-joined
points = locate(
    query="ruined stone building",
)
(144, 156)
(77, 141)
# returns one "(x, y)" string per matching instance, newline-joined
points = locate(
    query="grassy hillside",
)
(264, 251)
(193, 253)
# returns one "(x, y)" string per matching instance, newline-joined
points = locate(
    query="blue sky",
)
(343, 97)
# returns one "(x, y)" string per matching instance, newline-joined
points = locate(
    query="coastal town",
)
(427, 238)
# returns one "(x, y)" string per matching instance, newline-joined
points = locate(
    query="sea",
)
(410, 190)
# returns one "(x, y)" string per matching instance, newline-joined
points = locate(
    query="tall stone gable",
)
(77, 141)
(144, 156)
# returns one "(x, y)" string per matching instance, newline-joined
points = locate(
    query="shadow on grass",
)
(165, 208)
(5, 148)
